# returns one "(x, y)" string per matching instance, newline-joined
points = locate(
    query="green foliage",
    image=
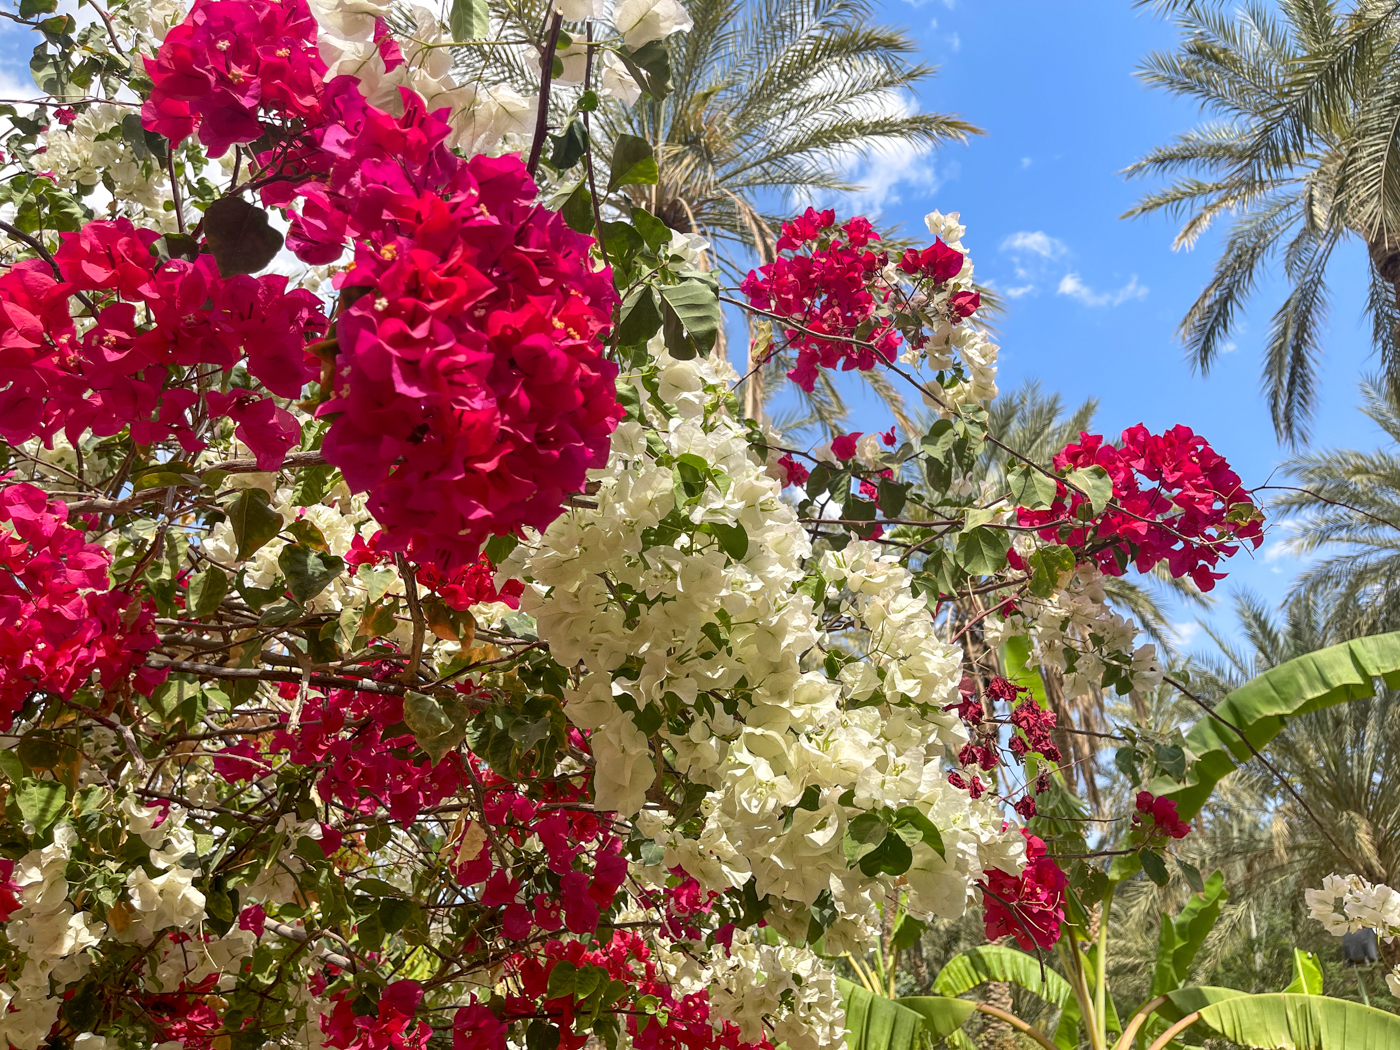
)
(1181, 938)
(1259, 708)
(876, 1023)
(1291, 1022)
(993, 962)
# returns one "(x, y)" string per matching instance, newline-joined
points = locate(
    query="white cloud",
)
(1018, 291)
(955, 42)
(1038, 242)
(1025, 163)
(1229, 348)
(1183, 634)
(1073, 287)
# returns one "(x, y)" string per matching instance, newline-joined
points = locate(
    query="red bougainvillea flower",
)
(60, 621)
(1162, 812)
(231, 64)
(822, 279)
(1175, 500)
(471, 394)
(160, 319)
(1029, 906)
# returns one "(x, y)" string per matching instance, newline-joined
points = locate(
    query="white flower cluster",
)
(483, 116)
(650, 593)
(53, 937)
(93, 146)
(1063, 624)
(1347, 903)
(751, 981)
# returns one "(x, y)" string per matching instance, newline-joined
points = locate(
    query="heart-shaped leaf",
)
(239, 236)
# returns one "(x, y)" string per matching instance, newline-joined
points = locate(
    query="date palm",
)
(1302, 153)
(1345, 503)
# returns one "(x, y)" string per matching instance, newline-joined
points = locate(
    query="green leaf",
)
(377, 581)
(30, 8)
(41, 802)
(569, 147)
(928, 831)
(239, 236)
(733, 540)
(942, 1017)
(1030, 488)
(876, 1023)
(1192, 875)
(695, 303)
(308, 571)
(438, 726)
(632, 163)
(206, 591)
(863, 834)
(1259, 708)
(1171, 759)
(172, 245)
(650, 67)
(253, 521)
(907, 932)
(469, 20)
(655, 232)
(1282, 1021)
(1155, 867)
(1307, 974)
(1181, 938)
(983, 551)
(640, 319)
(993, 962)
(577, 209)
(1095, 483)
(1016, 659)
(563, 980)
(1049, 565)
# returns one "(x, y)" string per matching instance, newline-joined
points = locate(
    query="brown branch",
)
(556, 22)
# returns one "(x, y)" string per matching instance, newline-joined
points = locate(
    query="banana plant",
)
(1176, 1016)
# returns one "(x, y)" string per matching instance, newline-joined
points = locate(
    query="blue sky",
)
(1098, 298)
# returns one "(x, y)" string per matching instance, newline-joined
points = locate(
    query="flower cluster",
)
(60, 620)
(1029, 906)
(470, 394)
(1348, 903)
(159, 322)
(1162, 812)
(348, 734)
(822, 280)
(1175, 500)
(230, 66)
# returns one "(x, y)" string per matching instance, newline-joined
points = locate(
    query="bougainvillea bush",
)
(405, 639)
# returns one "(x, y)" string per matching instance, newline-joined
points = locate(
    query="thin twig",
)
(415, 612)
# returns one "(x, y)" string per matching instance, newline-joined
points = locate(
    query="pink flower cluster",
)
(155, 322)
(1163, 814)
(823, 280)
(231, 65)
(1029, 906)
(1175, 500)
(471, 395)
(677, 1022)
(582, 858)
(393, 1025)
(364, 769)
(60, 620)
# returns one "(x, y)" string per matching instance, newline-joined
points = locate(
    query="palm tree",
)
(1303, 152)
(1347, 502)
